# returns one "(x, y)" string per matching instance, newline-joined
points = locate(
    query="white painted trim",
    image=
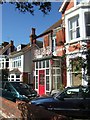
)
(62, 6)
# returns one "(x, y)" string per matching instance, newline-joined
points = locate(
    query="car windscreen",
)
(20, 87)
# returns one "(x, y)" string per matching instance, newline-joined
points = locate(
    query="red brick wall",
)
(60, 37)
(46, 41)
(74, 47)
(69, 5)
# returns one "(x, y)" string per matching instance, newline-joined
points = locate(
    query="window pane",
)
(76, 79)
(58, 82)
(36, 72)
(77, 33)
(47, 63)
(17, 79)
(36, 64)
(43, 64)
(12, 76)
(39, 64)
(76, 67)
(47, 71)
(47, 82)
(36, 82)
(17, 76)
(12, 79)
(74, 29)
(87, 23)
(57, 71)
(87, 30)
(56, 63)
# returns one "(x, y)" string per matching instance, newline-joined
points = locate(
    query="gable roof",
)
(54, 26)
(39, 43)
(23, 50)
(15, 71)
(3, 50)
(64, 5)
(27, 48)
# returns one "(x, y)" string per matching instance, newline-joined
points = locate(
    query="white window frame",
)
(87, 24)
(16, 62)
(73, 27)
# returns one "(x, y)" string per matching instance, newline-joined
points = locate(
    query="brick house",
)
(76, 17)
(48, 62)
(5, 50)
(21, 66)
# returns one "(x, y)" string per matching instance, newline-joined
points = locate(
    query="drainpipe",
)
(52, 87)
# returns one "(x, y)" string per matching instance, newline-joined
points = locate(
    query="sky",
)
(16, 26)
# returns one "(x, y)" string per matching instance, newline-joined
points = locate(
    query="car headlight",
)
(30, 103)
(24, 96)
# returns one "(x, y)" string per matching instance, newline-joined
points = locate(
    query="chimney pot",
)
(33, 31)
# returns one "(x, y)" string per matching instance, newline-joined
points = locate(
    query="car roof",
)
(78, 86)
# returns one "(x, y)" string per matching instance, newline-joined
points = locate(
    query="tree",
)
(44, 7)
(80, 63)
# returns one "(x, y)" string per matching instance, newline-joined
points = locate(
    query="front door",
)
(41, 82)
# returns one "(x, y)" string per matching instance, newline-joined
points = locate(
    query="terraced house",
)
(21, 65)
(5, 50)
(62, 58)
(69, 38)
(50, 72)
(76, 17)
(18, 60)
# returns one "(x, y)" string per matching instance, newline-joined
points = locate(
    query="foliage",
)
(61, 87)
(24, 7)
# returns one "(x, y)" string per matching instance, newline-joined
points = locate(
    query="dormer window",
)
(74, 28)
(87, 24)
(19, 48)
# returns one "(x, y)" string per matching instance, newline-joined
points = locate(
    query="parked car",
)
(17, 90)
(72, 102)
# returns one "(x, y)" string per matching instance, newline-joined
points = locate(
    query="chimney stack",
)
(33, 36)
(11, 46)
(4, 44)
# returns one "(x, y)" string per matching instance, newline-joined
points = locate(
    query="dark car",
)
(17, 90)
(72, 102)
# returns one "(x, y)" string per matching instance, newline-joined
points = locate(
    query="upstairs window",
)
(81, 1)
(74, 28)
(87, 23)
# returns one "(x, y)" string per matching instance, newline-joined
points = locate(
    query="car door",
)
(67, 101)
(8, 92)
(84, 105)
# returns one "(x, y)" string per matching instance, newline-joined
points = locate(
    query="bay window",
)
(87, 23)
(74, 28)
(76, 71)
(16, 62)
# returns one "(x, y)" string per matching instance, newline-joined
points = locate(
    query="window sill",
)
(77, 40)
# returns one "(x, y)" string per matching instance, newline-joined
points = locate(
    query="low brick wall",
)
(32, 112)
(9, 109)
(24, 111)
